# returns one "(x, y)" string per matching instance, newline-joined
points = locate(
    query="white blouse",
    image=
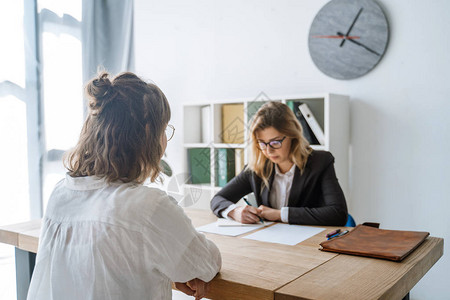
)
(117, 241)
(280, 191)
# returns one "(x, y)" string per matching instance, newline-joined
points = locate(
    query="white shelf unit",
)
(330, 110)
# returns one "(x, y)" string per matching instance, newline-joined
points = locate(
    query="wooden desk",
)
(258, 270)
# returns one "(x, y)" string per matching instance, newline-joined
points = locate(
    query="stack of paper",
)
(227, 223)
(284, 234)
(230, 227)
(278, 233)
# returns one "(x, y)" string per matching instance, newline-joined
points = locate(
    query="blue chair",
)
(350, 221)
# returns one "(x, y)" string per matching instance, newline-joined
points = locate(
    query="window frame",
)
(35, 24)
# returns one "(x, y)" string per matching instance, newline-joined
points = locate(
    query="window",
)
(62, 101)
(41, 104)
(14, 206)
(14, 180)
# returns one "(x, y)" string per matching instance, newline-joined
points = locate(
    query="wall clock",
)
(348, 38)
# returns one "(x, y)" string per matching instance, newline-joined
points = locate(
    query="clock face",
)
(348, 38)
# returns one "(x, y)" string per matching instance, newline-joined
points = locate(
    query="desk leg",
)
(24, 269)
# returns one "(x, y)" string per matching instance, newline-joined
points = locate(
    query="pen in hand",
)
(248, 203)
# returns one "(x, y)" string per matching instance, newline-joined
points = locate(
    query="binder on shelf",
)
(206, 123)
(253, 107)
(232, 123)
(239, 161)
(225, 166)
(312, 122)
(199, 165)
(307, 132)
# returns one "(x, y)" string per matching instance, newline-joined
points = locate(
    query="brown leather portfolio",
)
(374, 242)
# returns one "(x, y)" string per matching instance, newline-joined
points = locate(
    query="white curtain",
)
(107, 37)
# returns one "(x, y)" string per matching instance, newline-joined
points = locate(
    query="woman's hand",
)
(245, 214)
(268, 213)
(195, 287)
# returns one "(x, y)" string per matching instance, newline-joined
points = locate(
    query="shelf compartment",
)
(197, 124)
(229, 123)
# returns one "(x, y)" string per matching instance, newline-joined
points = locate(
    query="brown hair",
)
(121, 136)
(282, 118)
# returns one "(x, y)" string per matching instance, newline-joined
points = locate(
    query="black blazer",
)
(316, 197)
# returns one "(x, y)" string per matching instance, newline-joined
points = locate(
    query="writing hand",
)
(245, 214)
(360, 44)
(269, 213)
(351, 26)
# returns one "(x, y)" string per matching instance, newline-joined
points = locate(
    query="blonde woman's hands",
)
(269, 213)
(245, 214)
(195, 287)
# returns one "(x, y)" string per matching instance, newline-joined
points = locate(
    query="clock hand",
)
(351, 26)
(335, 37)
(359, 44)
(365, 47)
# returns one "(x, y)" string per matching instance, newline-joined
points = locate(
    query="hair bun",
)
(99, 91)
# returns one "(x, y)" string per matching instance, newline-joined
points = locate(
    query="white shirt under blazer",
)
(116, 241)
(281, 188)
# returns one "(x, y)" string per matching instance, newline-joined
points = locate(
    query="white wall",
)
(400, 111)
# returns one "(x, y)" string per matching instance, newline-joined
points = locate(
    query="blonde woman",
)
(105, 235)
(291, 182)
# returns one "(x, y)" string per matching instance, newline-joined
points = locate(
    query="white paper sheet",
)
(227, 222)
(284, 234)
(228, 230)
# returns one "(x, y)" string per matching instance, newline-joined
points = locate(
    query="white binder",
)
(312, 122)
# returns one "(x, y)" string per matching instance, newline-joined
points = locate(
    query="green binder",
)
(252, 108)
(199, 165)
(225, 166)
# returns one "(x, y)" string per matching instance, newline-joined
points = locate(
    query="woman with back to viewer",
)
(291, 182)
(105, 235)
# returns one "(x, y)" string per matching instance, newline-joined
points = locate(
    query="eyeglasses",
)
(275, 144)
(170, 130)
